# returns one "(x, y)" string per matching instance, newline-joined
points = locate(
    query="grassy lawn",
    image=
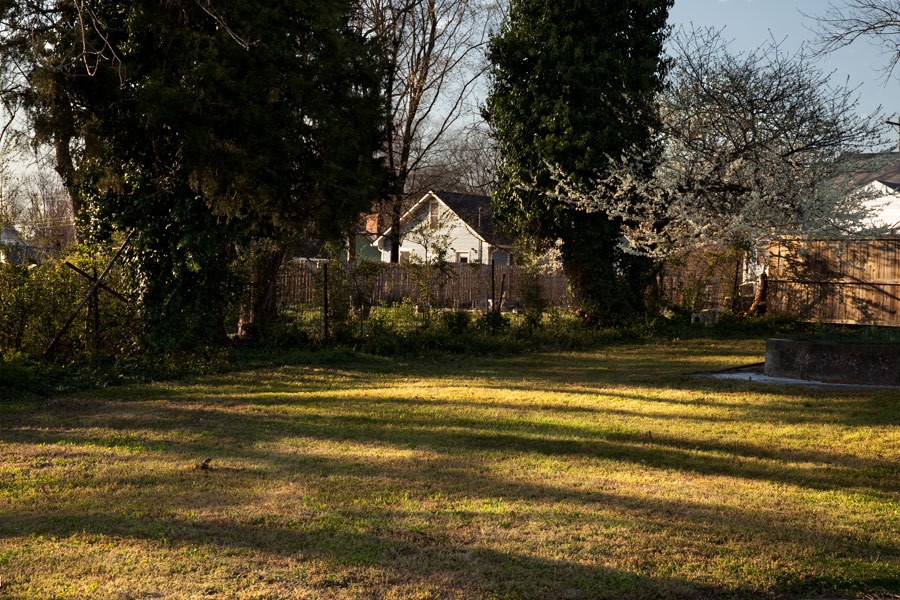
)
(609, 474)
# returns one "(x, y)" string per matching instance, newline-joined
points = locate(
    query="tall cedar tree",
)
(203, 127)
(573, 84)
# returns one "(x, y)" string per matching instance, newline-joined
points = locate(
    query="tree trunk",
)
(609, 285)
(759, 300)
(260, 306)
(63, 133)
(396, 214)
(351, 246)
(736, 284)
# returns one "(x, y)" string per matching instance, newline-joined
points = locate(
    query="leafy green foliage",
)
(456, 321)
(492, 321)
(572, 84)
(202, 131)
(36, 301)
(16, 372)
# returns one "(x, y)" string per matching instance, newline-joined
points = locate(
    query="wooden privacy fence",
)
(854, 282)
(463, 286)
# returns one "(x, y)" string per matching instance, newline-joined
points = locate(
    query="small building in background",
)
(854, 281)
(14, 249)
(463, 221)
(878, 178)
(371, 227)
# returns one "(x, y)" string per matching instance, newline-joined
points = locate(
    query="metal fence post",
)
(95, 305)
(493, 297)
(325, 303)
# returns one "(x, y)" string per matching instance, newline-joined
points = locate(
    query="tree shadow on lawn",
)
(225, 433)
(411, 558)
(220, 428)
(588, 376)
(592, 377)
(869, 409)
(457, 479)
(460, 445)
(387, 542)
(243, 420)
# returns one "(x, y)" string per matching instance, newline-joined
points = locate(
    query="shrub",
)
(492, 321)
(533, 302)
(16, 372)
(36, 301)
(456, 321)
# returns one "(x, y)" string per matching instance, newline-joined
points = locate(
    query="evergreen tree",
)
(202, 127)
(573, 84)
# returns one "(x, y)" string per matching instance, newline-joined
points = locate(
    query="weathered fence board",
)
(464, 286)
(848, 282)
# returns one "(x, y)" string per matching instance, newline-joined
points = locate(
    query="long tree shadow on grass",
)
(389, 543)
(618, 375)
(454, 433)
(225, 486)
(227, 433)
(244, 420)
(406, 555)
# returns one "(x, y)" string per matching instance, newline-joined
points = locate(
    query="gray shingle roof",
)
(476, 212)
(877, 166)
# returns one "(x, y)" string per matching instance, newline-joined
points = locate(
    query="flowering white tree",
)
(751, 146)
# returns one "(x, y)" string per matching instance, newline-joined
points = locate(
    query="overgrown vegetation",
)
(37, 300)
(397, 331)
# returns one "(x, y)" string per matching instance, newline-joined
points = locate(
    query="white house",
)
(464, 220)
(14, 248)
(879, 180)
(9, 235)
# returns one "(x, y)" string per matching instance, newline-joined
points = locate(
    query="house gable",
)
(467, 244)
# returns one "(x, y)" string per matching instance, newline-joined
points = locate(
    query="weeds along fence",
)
(37, 300)
(708, 278)
(854, 282)
(404, 296)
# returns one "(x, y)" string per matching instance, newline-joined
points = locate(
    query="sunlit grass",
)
(590, 475)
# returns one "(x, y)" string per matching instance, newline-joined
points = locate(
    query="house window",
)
(404, 256)
(435, 213)
(500, 258)
(462, 257)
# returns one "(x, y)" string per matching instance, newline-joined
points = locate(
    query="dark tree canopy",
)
(572, 84)
(201, 127)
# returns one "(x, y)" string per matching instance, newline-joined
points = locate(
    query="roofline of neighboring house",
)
(409, 211)
(434, 195)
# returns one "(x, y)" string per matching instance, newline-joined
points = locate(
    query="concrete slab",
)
(761, 378)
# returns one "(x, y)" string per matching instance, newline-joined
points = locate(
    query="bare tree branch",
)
(751, 146)
(435, 59)
(878, 20)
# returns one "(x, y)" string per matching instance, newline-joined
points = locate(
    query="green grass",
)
(604, 474)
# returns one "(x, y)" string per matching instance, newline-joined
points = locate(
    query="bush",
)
(36, 301)
(16, 372)
(493, 321)
(533, 302)
(456, 321)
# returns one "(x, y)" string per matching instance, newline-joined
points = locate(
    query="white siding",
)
(462, 238)
(884, 205)
(8, 235)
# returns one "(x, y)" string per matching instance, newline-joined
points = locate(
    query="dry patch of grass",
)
(608, 474)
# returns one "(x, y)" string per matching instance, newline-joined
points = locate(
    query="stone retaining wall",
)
(833, 362)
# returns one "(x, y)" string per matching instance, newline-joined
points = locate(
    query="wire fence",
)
(325, 297)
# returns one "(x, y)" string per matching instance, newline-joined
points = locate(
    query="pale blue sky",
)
(749, 23)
